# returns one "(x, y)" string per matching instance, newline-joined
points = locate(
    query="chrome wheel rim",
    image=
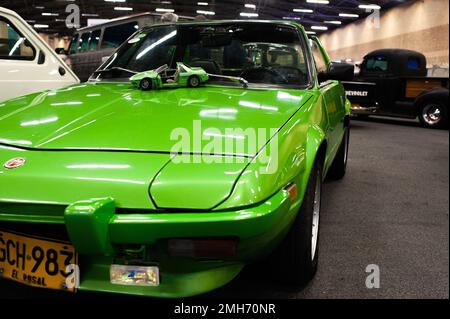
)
(432, 114)
(145, 84)
(345, 147)
(194, 81)
(316, 217)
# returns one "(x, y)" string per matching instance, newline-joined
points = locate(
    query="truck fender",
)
(439, 94)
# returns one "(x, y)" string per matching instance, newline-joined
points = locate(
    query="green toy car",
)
(107, 188)
(163, 77)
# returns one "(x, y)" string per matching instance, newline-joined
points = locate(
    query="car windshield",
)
(162, 68)
(261, 53)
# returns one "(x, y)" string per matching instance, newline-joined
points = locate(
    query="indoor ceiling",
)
(316, 15)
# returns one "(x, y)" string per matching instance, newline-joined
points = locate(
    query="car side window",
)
(94, 40)
(413, 63)
(83, 42)
(377, 64)
(73, 44)
(282, 58)
(13, 45)
(321, 65)
(114, 36)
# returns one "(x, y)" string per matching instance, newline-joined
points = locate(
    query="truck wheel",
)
(297, 257)
(146, 84)
(194, 81)
(433, 114)
(339, 166)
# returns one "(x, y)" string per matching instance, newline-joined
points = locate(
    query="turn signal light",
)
(292, 190)
(203, 247)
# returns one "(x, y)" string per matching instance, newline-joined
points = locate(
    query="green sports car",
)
(170, 193)
(163, 77)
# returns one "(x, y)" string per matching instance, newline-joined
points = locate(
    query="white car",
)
(27, 63)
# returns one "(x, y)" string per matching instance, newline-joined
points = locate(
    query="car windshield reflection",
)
(255, 53)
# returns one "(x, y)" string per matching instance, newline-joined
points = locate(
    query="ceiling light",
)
(369, 6)
(202, 3)
(348, 15)
(41, 26)
(291, 18)
(310, 32)
(333, 22)
(318, 1)
(48, 14)
(304, 10)
(249, 15)
(123, 8)
(250, 6)
(115, 0)
(89, 15)
(208, 13)
(165, 10)
(319, 27)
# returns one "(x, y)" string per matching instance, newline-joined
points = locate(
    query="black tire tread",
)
(191, 77)
(339, 167)
(293, 256)
(444, 123)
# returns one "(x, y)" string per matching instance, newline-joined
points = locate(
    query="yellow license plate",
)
(37, 262)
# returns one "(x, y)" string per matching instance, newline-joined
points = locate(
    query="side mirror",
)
(61, 51)
(338, 71)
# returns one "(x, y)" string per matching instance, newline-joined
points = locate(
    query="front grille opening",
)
(135, 211)
(50, 231)
(31, 209)
(58, 210)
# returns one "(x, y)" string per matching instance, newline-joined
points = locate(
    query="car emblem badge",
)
(14, 163)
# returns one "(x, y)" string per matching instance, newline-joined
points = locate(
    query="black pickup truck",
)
(394, 82)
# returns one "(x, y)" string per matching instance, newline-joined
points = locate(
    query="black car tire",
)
(339, 166)
(194, 81)
(146, 84)
(294, 257)
(426, 107)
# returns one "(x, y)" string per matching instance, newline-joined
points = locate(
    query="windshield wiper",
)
(116, 68)
(243, 81)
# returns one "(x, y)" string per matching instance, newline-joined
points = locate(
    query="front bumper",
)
(357, 109)
(102, 236)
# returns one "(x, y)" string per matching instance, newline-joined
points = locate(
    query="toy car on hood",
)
(162, 77)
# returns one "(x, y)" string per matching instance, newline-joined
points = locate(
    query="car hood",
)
(116, 116)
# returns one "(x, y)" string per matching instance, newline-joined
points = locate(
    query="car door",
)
(27, 63)
(333, 94)
(378, 69)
